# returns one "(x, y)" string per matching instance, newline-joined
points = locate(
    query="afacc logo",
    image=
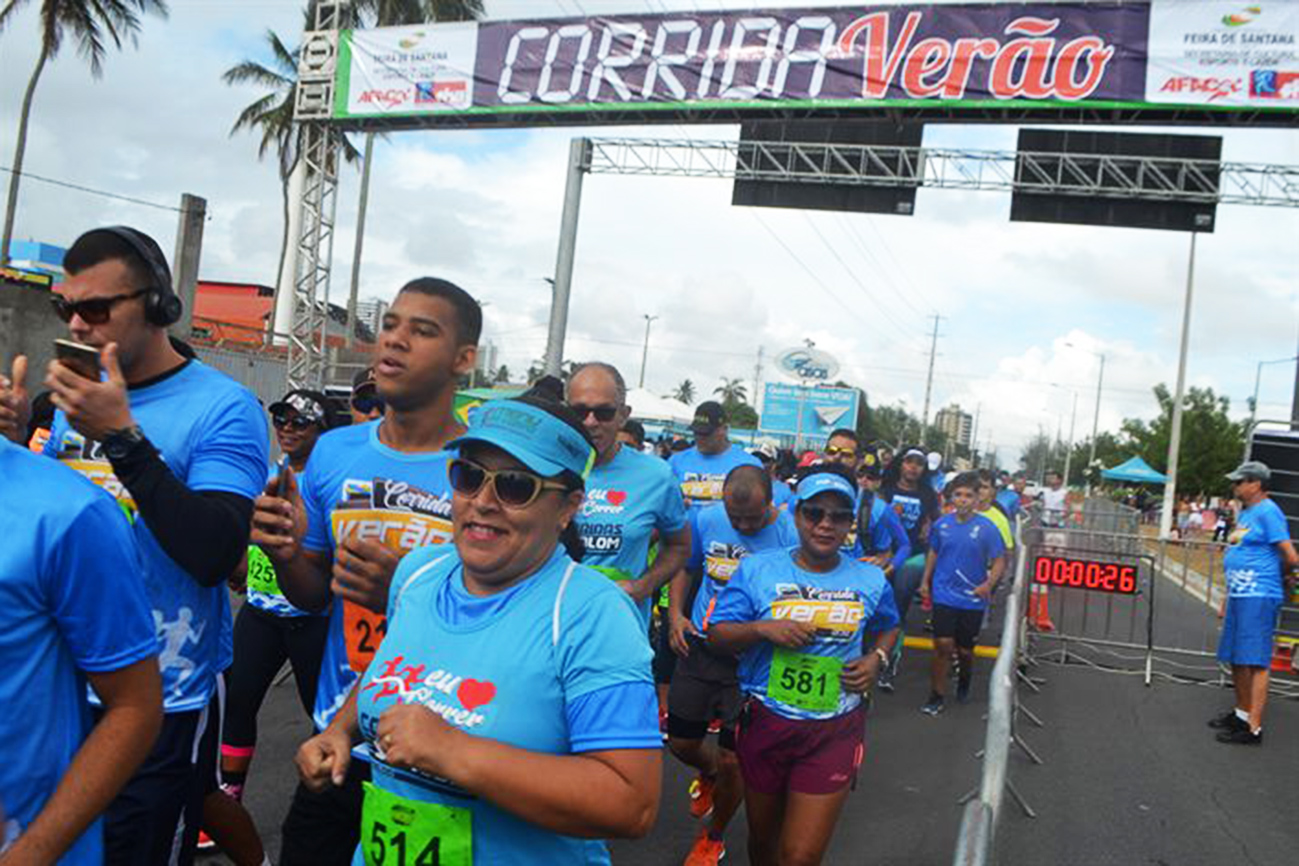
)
(1243, 17)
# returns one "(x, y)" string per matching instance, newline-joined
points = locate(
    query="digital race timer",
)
(1081, 574)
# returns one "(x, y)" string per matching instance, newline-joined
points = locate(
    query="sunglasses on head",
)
(297, 422)
(367, 403)
(93, 311)
(603, 414)
(815, 514)
(514, 488)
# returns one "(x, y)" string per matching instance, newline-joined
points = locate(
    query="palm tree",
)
(502, 376)
(88, 23)
(271, 116)
(732, 391)
(385, 13)
(685, 392)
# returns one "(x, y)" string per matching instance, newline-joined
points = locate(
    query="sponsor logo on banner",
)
(1271, 84)
(1213, 88)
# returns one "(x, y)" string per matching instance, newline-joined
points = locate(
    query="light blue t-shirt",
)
(626, 500)
(1009, 500)
(843, 603)
(71, 602)
(514, 671)
(716, 550)
(212, 435)
(963, 552)
(782, 494)
(701, 476)
(356, 485)
(1252, 562)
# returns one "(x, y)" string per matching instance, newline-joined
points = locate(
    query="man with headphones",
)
(183, 449)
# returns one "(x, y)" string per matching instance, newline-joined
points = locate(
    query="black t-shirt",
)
(915, 508)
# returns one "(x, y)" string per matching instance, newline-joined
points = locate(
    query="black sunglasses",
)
(297, 422)
(815, 514)
(367, 403)
(93, 311)
(514, 488)
(603, 414)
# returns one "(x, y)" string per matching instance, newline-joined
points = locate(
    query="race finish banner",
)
(681, 65)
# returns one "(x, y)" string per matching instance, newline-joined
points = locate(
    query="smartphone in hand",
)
(281, 476)
(79, 358)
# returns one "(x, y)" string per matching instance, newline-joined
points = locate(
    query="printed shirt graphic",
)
(964, 551)
(716, 551)
(502, 675)
(1252, 562)
(912, 507)
(626, 500)
(264, 591)
(843, 603)
(701, 476)
(71, 600)
(356, 485)
(212, 435)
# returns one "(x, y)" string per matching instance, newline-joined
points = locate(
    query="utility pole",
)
(189, 249)
(974, 434)
(929, 380)
(1294, 406)
(1175, 433)
(1068, 454)
(1096, 423)
(757, 378)
(359, 242)
(644, 354)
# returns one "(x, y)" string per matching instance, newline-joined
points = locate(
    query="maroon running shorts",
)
(808, 756)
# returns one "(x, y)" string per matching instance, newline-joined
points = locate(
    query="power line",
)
(92, 190)
(879, 267)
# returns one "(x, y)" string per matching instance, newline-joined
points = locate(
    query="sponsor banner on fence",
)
(1189, 52)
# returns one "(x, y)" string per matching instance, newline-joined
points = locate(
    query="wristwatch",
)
(119, 444)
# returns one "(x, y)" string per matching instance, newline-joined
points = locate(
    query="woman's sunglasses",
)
(603, 414)
(297, 422)
(815, 514)
(366, 403)
(514, 488)
(93, 311)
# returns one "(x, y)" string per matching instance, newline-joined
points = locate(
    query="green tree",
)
(90, 24)
(1211, 443)
(732, 391)
(685, 392)
(502, 376)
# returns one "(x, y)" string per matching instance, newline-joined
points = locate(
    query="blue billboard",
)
(822, 409)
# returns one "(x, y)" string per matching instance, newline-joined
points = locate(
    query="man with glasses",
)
(630, 496)
(371, 493)
(183, 450)
(1260, 563)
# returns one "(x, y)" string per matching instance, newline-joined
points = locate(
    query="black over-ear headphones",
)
(161, 305)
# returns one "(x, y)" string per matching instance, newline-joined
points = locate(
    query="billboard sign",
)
(821, 409)
(806, 363)
(976, 55)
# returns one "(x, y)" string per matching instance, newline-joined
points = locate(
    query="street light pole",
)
(1258, 377)
(1175, 433)
(644, 354)
(1068, 454)
(1096, 423)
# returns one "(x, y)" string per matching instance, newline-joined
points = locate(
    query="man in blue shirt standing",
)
(183, 450)
(965, 561)
(1259, 553)
(72, 610)
(701, 470)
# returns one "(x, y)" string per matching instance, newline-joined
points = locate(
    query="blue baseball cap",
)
(531, 435)
(820, 482)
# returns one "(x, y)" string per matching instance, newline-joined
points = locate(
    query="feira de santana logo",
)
(1243, 17)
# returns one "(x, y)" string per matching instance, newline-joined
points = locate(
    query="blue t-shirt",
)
(626, 500)
(356, 485)
(843, 603)
(716, 550)
(1252, 562)
(1009, 500)
(701, 476)
(537, 667)
(71, 602)
(212, 435)
(963, 552)
(782, 494)
(886, 533)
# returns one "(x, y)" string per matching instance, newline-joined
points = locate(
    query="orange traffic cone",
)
(1038, 613)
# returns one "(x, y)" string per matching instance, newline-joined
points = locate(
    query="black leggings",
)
(262, 642)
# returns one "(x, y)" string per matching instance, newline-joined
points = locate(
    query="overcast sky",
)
(483, 209)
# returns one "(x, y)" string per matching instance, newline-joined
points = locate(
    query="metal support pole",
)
(798, 436)
(579, 157)
(1294, 405)
(1175, 433)
(929, 380)
(362, 208)
(1096, 422)
(644, 354)
(1068, 454)
(189, 249)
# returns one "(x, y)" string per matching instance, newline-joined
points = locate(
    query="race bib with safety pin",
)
(809, 682)
(397, 831)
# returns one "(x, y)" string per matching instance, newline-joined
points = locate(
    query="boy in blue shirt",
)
(966, 559)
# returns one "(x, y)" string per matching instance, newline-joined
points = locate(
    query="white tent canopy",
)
(647, 406)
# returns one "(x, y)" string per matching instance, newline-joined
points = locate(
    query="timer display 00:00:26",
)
(1079, 574)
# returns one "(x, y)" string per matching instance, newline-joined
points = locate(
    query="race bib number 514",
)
(397, 831)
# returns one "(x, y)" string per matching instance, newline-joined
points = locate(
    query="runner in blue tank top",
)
(510, 714)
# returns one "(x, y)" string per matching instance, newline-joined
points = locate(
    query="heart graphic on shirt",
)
(617, 497)
(475, 693)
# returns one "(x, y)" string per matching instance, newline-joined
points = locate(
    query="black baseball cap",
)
(709, 415)
(363, 380)
(312, 405)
